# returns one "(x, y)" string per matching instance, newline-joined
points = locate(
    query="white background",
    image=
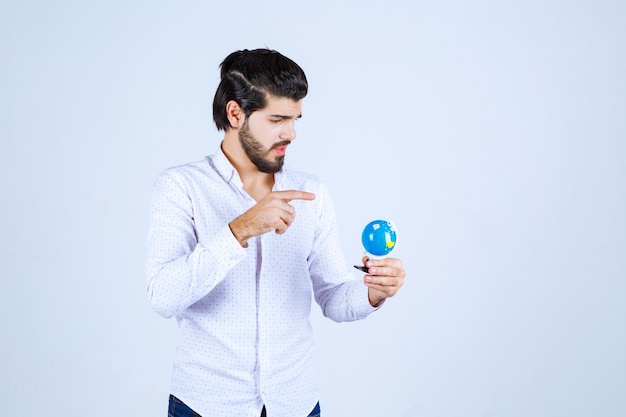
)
(492, 133)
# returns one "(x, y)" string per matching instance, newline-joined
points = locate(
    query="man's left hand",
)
(384, 278)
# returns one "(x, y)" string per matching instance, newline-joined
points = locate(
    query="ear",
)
(235, 114)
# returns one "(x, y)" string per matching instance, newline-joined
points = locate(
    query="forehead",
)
(282, 106)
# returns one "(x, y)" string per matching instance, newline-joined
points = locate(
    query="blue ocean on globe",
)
(379, 237)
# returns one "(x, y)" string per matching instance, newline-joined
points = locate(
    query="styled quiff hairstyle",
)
(248, 77)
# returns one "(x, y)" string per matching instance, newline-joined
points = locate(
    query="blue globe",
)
(379, 237)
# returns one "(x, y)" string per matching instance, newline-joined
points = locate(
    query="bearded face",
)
(266, 160)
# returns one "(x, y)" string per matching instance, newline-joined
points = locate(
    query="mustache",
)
(280, 144)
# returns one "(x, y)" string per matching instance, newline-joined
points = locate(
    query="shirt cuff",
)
(225, 248)
(364, 307)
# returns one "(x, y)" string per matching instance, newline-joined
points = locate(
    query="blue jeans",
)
(177, 408)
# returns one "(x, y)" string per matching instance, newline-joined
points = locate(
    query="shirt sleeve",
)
(179, 270)
(341, 297)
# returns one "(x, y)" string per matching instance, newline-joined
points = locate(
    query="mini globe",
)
(379, 237)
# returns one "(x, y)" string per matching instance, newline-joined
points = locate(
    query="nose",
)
(289, 131)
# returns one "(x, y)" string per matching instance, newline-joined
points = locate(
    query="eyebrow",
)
(285, 117)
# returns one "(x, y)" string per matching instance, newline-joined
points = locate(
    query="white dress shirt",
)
(243, 313)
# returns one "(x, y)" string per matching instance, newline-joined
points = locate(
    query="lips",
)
(280, 151)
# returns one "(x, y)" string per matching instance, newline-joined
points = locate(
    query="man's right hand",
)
(272, 213)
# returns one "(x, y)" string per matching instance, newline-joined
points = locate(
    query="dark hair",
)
(248, 77)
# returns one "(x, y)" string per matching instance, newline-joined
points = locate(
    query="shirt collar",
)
(224, 168)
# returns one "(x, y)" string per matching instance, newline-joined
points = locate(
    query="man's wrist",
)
(375, 301)
(243, 241)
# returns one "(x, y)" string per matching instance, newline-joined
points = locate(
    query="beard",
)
(260, 157)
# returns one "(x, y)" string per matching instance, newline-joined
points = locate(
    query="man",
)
(237, 245)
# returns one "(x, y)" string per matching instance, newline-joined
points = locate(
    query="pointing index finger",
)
(289, 195)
